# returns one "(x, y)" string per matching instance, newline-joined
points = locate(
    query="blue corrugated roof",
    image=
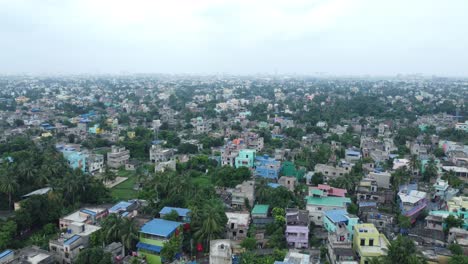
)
(71, 240)
(367, 204)
(86, 211)
(5, 253)
(149, 247)
(336, 216)
(119, 206)
(181, 211)
(160, 227)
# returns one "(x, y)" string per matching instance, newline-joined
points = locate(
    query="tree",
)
(430, 171)
(317, 179)
(452, 221)
(8, 185)
(458, 259)
(414, 163)
(171, 216)
(7, 234)
(455, 249)
(117, 229)
(401, 250)
(208, 221)
(94, 256)
(249, 243)
(172, 247)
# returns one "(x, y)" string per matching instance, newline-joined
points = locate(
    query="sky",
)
(337, 37)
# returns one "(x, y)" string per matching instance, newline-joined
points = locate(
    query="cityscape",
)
(233, 132)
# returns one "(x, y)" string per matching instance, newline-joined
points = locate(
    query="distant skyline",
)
(304, 37)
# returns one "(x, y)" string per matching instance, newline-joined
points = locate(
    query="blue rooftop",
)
(5, 253)
(337, 216)
(181, 211)
(149, 247)
(71, 240)
(274, 185)
(86, 211)
(367, 204)
(119, 207)
(160, 227)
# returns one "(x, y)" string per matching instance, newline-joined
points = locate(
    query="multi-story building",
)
(412, 203)
(288, 182)
(237, 225)
(221, 251)
(153, 235)
(27, 255)
(260, 216)
(160, 154)
(443, 191)
(83, 216)
(95, 163)
(316, 205)
(242, 192)
(67, 247)
(340, 222)
(297, 228)
(332, 172)
(245, 158)
(340, 250)
(267, 167)
(118, 157)
(369, 243)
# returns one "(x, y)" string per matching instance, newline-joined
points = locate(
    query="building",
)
(369, 243)
(260, 216)
(382, 178)
(316, 205)
(352, 155)
(443, 191)
(339, 250)
(153, 235)
(412, 203)
(95, 163)
(6, 256)
(326, 190)
(237, 225)
(118, 157)
(242, 192)
(125, 209)
(67, 247)
(267, 167)
(30, 255)
(160, 154)
(184, 213)
(294, 257)
(221, 251)
(166, 165)
(332, 172)
(245, 158)
(288, 182)
(83, 216)
(297, 228)
(340, 222)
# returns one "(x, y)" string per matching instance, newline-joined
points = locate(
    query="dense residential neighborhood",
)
(233, 169)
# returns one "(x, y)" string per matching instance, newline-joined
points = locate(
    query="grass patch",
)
(202, 180)
(125, 191)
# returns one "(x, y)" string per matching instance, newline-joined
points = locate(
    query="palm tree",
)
(128, 233)
(120, 229)
(8, 185)
(209, 222)
(414, 163)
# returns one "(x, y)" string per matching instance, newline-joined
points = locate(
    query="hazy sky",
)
(234, 36)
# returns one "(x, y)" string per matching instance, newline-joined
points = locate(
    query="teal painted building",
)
(246, 158)
(340, 222)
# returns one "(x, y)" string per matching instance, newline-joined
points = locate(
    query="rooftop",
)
(328, 201)
(181, 211)
(119, 207)
(160, 227)
(260, 209)
(238, 218)
(337, 216)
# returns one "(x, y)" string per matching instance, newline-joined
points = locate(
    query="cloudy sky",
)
(342, 37)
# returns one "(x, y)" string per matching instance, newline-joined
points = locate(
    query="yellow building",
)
(457, 204)
(131, 134)
(369, 243)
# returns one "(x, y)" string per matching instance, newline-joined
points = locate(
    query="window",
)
(371, 242)
(319, 208)
(241, 231)
(363, 242)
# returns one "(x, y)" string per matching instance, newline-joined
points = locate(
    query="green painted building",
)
(246, 158)
(153, 235)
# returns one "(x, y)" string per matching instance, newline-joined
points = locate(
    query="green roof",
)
(260, 209)
(328, 201)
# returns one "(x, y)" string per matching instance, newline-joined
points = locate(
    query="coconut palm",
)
(208, 222)
(120, 229)
(8, 185)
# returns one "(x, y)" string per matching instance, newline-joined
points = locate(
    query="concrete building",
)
(267, 167)
(340, 222)
(316, 205)
(67, 247)
(153, 235)
(369, 243)
(245, 158)
(160, 154)
(221, 251)
(237, 225)
(260, 217)
(288, 182)
(83, 216)
(412, 203)
(184, 213)
(118, 157)
(30, 255)
(95, 163)
(242, 192)
(332, 172)
(294, 257)
(297, 228)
